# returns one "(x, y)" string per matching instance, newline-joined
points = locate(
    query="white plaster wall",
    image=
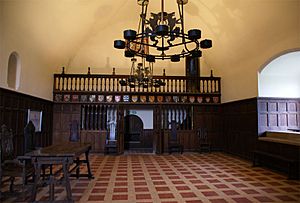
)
(247, 34)
(77, 34)
(281, 77)
(18, 35)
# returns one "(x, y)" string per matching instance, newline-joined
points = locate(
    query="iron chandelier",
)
(159, 34)
(141, 76)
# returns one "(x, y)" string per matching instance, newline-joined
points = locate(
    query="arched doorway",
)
(133, 131)
(135, 136)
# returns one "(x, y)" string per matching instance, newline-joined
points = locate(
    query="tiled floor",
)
(190, 178)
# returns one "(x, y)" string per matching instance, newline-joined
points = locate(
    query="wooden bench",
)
(292, 164)
(283, 137)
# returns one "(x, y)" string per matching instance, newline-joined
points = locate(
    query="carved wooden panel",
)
(293, 119)
(272, 106)
(282, 118)
(273, 120)
(263, 119)
(282, 106)
(263, 107)
(282, 114)
(292, 106)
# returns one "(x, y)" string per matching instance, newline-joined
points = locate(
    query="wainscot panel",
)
(14, 112)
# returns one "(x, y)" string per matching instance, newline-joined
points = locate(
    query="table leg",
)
(88, 164)
(67, 181)
(51, 187)
(78, 167)
(51, 172)
(36, 181)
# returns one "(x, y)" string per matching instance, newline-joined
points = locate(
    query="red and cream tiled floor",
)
(190, 178)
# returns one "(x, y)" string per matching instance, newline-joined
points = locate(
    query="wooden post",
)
(192, 71)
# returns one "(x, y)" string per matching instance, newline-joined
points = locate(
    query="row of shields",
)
(135, 98)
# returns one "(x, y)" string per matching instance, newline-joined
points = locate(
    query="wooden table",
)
(63, 154)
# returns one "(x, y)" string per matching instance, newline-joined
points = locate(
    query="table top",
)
(67, 149)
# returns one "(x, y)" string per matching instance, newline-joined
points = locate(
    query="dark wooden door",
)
(133, 132)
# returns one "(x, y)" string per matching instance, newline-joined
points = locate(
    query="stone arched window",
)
(13, 70)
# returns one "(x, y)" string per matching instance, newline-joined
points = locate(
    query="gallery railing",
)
(110, 83)
(95, 84)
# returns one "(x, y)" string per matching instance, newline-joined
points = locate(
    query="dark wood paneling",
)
(204, 116)
(244, 120)
(278, 114)
(240, 130)
(147, 138)
(291, 152)
(209, 117)
(187, 138)
(95, 137)
(63, 114)
(13, 113)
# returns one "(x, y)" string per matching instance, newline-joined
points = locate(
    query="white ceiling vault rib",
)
(50, 34)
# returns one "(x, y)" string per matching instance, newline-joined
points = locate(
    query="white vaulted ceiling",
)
(49, 34)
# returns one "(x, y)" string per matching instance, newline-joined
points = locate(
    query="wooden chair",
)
(11, 166)
(174, 144)
(204, 142)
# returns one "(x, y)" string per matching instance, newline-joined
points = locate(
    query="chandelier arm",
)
(143, 18)
(155, 38)
(181, 43)
(166, 56)
(140, 25)
(180, 9)
(162, 22)
(184, 36)
(169, 46)
(162, 11)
